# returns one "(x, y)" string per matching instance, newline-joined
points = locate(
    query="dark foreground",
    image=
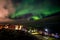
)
(6, 34)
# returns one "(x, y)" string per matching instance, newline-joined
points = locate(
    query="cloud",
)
(4, 13)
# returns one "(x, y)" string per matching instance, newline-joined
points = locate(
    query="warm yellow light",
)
(35, 33)
(1, 27)
(20, 27)
(16, 27)
(6, 27)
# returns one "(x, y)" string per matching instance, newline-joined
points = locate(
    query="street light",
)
(46, 30)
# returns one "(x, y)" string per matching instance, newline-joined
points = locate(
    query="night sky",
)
(36, 7)
(39, 9)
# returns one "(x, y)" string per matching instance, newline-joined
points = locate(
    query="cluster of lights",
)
(18, 27)
(6, 27)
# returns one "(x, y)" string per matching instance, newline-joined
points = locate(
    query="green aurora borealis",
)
(36, 7)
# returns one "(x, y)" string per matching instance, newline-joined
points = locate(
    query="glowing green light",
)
(31, 6)
(35, 17)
